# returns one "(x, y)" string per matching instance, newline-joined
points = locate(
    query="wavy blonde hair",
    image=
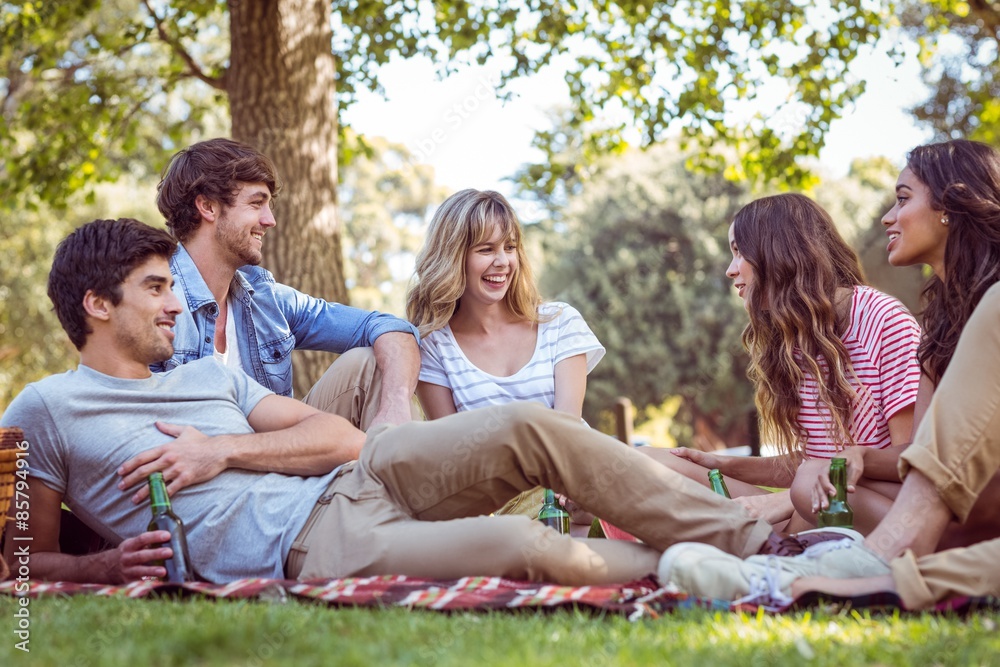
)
(464, 220)
(799, 261)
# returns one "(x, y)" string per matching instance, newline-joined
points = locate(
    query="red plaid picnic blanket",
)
(635, 600)
(638, 599)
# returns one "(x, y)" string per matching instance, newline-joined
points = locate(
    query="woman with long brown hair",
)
(833, 360)
(947, 216)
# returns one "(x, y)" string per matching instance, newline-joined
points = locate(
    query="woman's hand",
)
(705, 459)
(576, 513)
(817, 472)
(771, 507)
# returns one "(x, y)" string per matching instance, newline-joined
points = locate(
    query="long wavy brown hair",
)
(964, 182)
(466, 219)
(799, 261)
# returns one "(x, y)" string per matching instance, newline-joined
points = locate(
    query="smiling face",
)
(144, 318)
(916, 232)
(240, 229)
(490, 267)
(739, 270)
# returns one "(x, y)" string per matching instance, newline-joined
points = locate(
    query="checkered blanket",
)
(634, 600)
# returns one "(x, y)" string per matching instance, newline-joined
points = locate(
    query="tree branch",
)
(217, 82)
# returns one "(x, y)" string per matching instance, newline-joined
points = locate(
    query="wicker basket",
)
(9, 437)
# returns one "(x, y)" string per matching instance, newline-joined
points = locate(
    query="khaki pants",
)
(923, 581)
(957, 447)
(351, 387)
(415, 504)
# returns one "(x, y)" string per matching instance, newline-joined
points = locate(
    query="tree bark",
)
(282, 96)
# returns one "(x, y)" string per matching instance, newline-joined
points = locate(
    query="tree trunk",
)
(282, 96)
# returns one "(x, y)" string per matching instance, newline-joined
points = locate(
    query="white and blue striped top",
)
(566, 335)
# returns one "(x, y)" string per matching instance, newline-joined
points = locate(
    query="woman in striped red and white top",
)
(834, 362)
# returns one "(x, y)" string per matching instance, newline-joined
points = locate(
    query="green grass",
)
(107, 632)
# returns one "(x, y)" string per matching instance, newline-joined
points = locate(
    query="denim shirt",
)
(270, 319)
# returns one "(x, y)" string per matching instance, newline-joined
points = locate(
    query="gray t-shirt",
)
(81, 425)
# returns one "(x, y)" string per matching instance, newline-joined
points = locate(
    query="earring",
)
(944, 220)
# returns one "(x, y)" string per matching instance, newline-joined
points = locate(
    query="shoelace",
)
(820, 548)
(766, 590)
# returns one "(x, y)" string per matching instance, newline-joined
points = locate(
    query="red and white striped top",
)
(882, 341)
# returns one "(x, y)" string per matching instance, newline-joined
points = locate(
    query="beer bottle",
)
(179, 565)
(839, 513)
(718, 483)
(552, 514)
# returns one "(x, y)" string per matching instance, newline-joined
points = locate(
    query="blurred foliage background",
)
(95, 95)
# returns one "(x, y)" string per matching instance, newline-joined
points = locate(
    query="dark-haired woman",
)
(947, 216)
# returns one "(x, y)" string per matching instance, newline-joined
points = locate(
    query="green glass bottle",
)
(179, 565)
(552, 514)
(839, 513)
(717, 482)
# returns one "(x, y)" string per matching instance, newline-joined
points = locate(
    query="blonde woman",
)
(487, 338)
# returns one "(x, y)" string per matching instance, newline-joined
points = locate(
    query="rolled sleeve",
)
(334, 327)
(910, 585)
(922, 581)
(383, 323)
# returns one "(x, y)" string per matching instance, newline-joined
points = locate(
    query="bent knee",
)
(356, 357)
(800, 492)
(532, 414)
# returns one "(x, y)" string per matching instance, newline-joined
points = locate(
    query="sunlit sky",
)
(473, 139)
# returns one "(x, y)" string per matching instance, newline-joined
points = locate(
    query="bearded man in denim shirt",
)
(216, 197)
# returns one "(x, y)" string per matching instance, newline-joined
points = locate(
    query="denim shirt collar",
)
(241, 280)
(193, 284)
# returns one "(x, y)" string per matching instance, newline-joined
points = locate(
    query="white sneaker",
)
(703, 570)
(793, 545)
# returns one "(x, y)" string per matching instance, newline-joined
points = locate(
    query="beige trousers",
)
(957, 447)
(923, 581)
(415, 504)
(351, 387)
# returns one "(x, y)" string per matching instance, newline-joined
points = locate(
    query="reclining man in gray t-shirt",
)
(271, 487)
